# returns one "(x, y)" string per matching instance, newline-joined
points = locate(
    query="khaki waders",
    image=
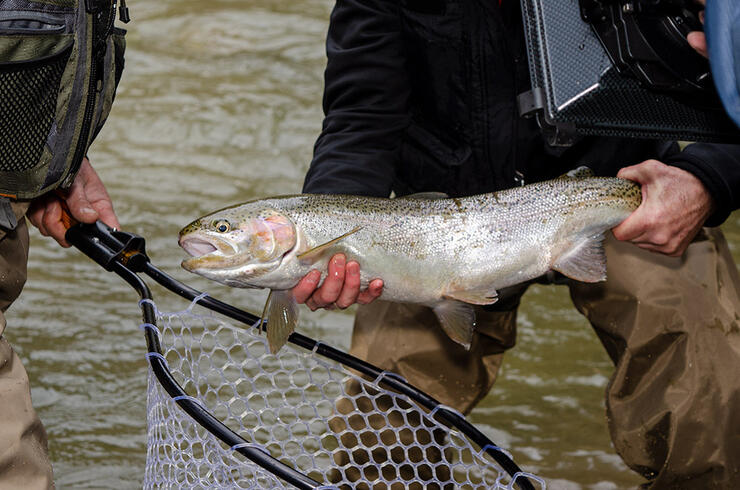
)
(24, 459)
(670, 325)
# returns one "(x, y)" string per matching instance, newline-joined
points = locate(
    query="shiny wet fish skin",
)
(442, 252)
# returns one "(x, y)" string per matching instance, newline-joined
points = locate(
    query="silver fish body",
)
(444, 253)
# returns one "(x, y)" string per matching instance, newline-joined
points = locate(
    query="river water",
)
(220, 102)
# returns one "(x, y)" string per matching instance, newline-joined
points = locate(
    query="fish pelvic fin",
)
(474, 296)
(585, 262)
(457, 320)
(282, 315)
(315, 253)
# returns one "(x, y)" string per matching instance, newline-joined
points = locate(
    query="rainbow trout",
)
(445, 253)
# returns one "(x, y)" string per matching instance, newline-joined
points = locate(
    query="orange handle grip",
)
(67, 220)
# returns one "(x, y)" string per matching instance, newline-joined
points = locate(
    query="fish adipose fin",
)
(581, 172)
(585, 262)
(474, 296)
(457, 320)
(282, 315)
(315, 253)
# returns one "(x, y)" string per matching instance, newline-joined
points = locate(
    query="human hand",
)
(340, 289)
(675, 205)
(697, 39)
(86, 199)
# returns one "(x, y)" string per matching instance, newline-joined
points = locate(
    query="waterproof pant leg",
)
(672, 328)
(408, 340)
(24, 460)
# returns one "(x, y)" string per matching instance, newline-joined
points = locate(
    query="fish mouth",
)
(197, 247)
(205, 251)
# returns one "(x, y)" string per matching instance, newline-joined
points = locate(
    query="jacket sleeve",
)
(365, 101)
(718, 168)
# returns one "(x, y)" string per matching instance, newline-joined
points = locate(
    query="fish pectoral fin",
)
(585, 262)
(474, 296)
(282, 318)
(427, 195)
(457, 320)
(315, 253)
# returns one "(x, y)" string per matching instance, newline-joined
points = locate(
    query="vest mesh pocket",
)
(28, 103)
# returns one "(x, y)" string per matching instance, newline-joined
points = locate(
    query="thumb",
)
(79, 206)
(631, 173)
(642, 173)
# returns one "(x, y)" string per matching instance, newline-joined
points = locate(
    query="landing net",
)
(308, 412)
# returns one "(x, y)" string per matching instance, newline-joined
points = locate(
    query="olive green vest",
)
(60, 63)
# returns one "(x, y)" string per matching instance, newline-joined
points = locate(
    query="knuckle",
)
(674, 248)
(660, 241)
(352, 279)
(312, 278)
(347, 298)
(326, 297)
(351, 287)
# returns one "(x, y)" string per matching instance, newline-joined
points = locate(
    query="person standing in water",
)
(420, 97)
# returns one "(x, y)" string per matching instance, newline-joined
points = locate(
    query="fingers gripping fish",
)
(448, 254)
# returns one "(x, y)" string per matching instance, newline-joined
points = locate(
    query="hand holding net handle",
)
(67, 220)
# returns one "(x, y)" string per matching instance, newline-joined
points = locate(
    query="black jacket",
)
(420, 95)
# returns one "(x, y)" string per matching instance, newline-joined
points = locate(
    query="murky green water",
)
(220, 102)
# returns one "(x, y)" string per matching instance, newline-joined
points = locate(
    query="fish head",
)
(237, 245)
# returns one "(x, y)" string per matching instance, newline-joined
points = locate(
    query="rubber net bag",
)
(311, 413)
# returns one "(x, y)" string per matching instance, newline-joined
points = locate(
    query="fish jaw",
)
(206, 251)
(221, 260)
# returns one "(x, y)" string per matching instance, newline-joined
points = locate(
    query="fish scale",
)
(447, 253)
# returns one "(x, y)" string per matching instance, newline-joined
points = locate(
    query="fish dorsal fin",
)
(282, 314)
(474, 296)
(457, 320)
(427, 195)
(315, 253)
(585, 262)
(581, 172)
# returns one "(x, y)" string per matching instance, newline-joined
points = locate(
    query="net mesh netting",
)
(308, 412)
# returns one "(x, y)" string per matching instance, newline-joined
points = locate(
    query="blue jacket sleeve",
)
(718, 168)
(365, 101)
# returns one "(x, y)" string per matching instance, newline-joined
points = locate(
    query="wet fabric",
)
(670, 325)
(24, 459)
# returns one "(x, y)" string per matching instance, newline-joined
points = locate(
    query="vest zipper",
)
(97, 59)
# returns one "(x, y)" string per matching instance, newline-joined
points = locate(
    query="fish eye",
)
(222, 226)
